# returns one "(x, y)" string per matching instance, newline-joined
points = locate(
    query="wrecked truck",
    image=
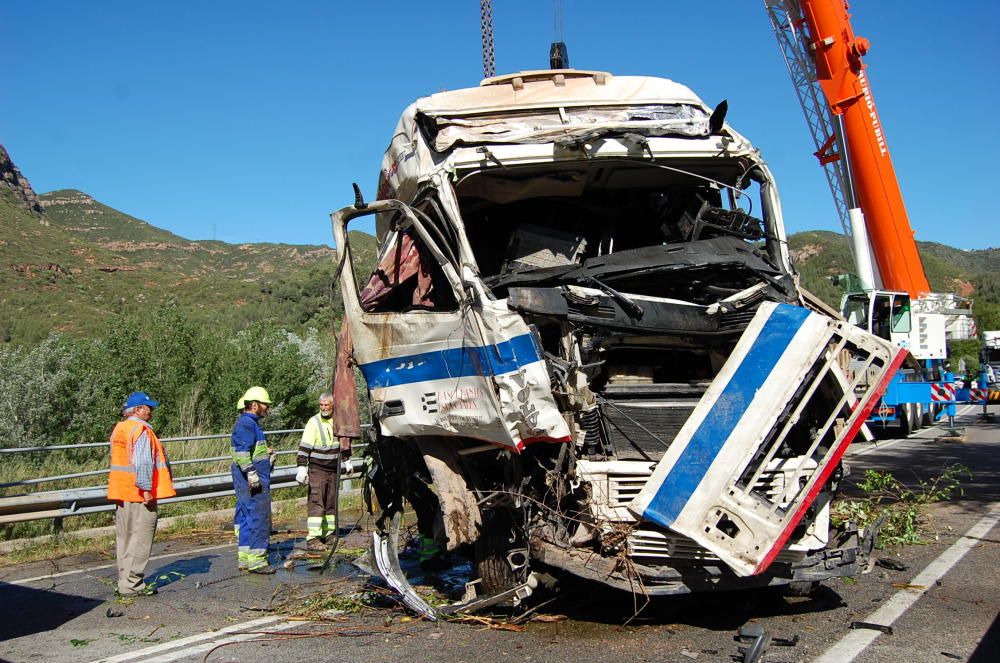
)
(587, 352)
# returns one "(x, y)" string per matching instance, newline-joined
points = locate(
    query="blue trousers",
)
(252, 520)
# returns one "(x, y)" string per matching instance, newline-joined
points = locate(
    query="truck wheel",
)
(927, 416)
(915, 417)
(491, 550)
(904, 418)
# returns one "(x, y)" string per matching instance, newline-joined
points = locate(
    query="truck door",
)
(440, 358)
(782, 395)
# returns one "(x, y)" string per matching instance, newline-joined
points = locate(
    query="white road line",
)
(201, 649)
(923, 434)
(143, 654)
(856, 641)
(25, 581)
(876, 446)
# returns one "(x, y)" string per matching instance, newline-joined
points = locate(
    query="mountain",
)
(820, 255)
(15, 186)
(68, 262)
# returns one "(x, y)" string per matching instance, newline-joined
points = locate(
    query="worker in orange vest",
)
(139, 476)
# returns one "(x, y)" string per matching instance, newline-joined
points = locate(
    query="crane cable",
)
(557, 20)
(486, 22)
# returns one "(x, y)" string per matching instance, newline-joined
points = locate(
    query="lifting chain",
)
(486, 17)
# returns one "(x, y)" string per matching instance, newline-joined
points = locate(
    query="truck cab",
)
(586, 349)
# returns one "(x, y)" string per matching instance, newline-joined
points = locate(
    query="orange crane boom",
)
(837, 54)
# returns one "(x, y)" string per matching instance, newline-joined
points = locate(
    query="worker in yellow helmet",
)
(252, 482)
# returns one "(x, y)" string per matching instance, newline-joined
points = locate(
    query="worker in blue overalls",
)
(252, 461)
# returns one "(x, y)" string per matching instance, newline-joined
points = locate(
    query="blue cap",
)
(137, 398)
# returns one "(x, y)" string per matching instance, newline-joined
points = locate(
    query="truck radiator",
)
(654, 545)
(642, 420)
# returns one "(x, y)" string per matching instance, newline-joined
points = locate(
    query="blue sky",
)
(248, 121)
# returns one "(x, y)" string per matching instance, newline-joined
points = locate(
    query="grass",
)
(63, 547)
(57, 463)
(287, 512)
(902, 510)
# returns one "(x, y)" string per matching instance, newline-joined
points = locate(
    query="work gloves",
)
(302, 475)
(272, 457)
(346, 467)
(253, 480)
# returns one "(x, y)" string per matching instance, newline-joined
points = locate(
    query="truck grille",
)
(653, 545)
(649, 544)
(622, 488)
(639, 430)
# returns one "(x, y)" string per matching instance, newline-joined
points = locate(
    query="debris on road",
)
(874, 627)
(892, 564)
(759, 642)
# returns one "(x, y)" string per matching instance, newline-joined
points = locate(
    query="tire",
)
(904, 418)
(491, 550)
(927, 416)
(915, 419)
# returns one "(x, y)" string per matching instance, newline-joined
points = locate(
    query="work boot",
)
(315, 545)
(265, 569)
(145, 590)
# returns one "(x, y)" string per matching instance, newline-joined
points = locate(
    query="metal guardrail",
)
(59, 504)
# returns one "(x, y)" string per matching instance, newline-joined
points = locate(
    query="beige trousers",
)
(135, 525)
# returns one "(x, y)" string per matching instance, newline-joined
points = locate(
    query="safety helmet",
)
(254, 394)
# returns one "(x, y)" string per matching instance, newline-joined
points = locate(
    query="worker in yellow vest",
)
(320, 452)
(138, 477)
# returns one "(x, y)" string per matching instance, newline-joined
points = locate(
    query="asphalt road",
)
(59, 610)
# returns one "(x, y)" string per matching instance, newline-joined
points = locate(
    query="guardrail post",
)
(57, 526)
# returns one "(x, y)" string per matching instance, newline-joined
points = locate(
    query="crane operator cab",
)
(883, 313)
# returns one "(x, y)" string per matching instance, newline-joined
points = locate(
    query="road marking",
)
(144, 654)
(24, 581)
(857, 641)
(922, 434)
(208, 646)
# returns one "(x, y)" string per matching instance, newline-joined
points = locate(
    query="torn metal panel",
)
(705, 485)
(346, 412)
(446, 131)
(591, 308)
(719, 253)
(470, 372)
(384, 552)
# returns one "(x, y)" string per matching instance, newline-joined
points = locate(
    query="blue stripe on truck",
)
(504, 357)
(699, 454)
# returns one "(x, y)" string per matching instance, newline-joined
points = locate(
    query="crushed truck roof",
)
(543, 89)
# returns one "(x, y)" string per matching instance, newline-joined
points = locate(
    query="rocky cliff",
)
(11, 180)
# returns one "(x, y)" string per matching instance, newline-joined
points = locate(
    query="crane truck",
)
(895, 302)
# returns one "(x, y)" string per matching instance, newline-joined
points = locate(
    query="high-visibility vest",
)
(121, 477)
